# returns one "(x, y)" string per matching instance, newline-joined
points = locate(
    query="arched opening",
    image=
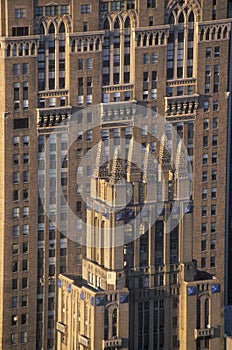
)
(97, 44)
(198, 323)
(26, 50)
(157, 39)
(62, 28)
(33, 49)
(139, 40)
(127, 23)
(171, 19)
(41, 29)
(20, 50)
(191, 17)
(213, 34)
(116, 23)
(181, 18)
(106, 24)
(206, 313)
(106, 324)
(151, 40)
(114, 322)
(73, 46)
(225, 33)
(145, 40)
(14, 50)
(219, 33)
(8, 50)
(51, 29)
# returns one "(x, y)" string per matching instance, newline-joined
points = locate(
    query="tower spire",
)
(117, 167)
(101, 169)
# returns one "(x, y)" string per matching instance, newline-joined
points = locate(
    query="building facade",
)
(57, 59)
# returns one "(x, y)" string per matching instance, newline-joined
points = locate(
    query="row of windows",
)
(213, 193)
(15, 320)
(212, 262)
(213, 210)
(215, 52)
(15, 283)
(205, 175)
(15, 248)
(52, 10)
(204, 244)
(23, 338)
(88, 64)
(14, 301)
(204, 227)
(24, 228)
(15, 266)
(24, 69)
(24, 213)
(150, 58)
(214, 158)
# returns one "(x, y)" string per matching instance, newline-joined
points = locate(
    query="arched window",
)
(151, 40)
(145, 40)
(116, 23)
(14, 50)
(198, 323)
(181, 18)
(106, 324)
(41, 29)
(225, 33)
(62, 28)
(20, 50)
(51, 29)
(106, 24)
(114, 322)
(127, 23)
(206, 313)
(33, 49)
(26, 50)
(139, 40)
(8, 50)
(219, 33)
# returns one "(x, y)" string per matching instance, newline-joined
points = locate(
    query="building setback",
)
(56, 59)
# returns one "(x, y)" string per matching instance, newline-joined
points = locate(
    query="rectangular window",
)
(24, 300)
(213, 227)
(204, 210)
(206, 106)
(89, 63)
(212, 261)
(20, 13)
(212, 244)
(203, 228)
(23, 337)
(145, 58)
(15, 249)
(14, 302)
(203, 263)
(15, 213)
(206, 124)
(25, 229)
(214, 175)
(215, 105)
(80, 64)
(203, 245)
(85, 8)
(14, 283)
(214, 140)
(204, 193)
(213, 209)
(205, 159)
(215, 123)
(214, 192)
(214, 157)
(20, 31)
(25, 95)
(16, 69)
(205, 141)
(15, 231)
(217, 51)
(208, 52)
(25, 141)
(25, 68)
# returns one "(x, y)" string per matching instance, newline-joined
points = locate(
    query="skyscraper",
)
(56, 59)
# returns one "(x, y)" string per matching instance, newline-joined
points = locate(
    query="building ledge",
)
(83, 340)
(113, 343)
(202, 333)
(61, 327)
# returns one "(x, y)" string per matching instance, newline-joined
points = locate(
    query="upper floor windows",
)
(181, 44)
